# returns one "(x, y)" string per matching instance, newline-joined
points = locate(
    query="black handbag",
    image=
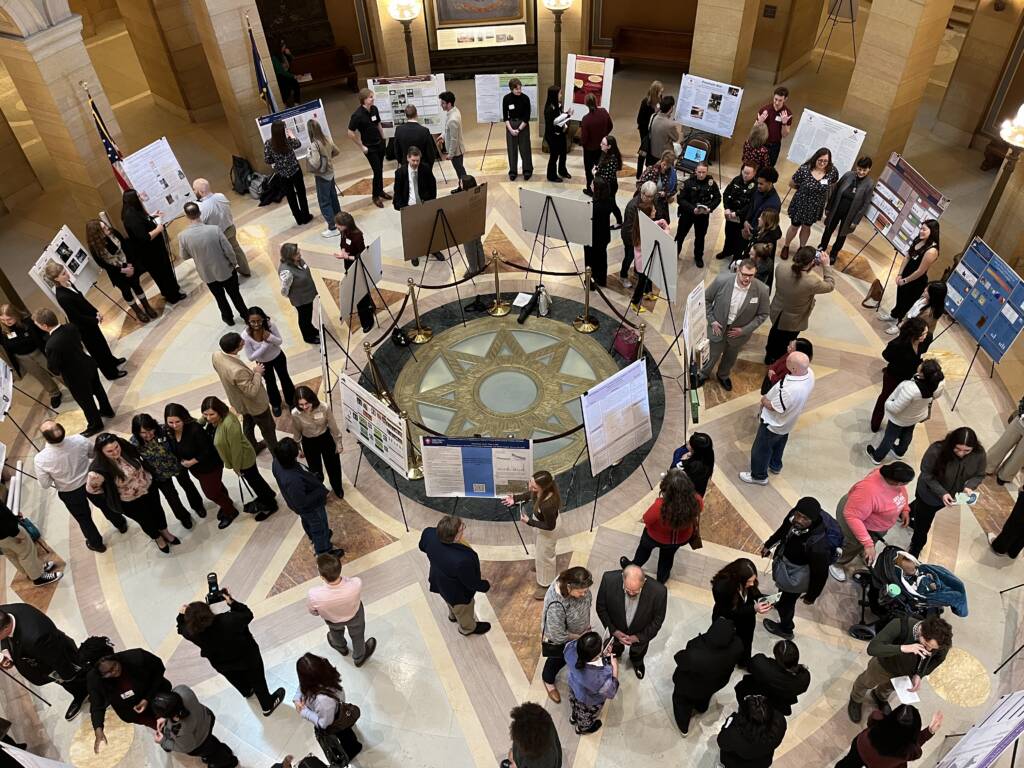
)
(548, 649)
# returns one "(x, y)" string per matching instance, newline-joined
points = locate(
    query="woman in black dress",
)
(109, 249)
(737, 597)
(913, 277)
(147, 245)
(813, 182)
(595, 255)
(608, 166)
(86, 318)
(554, 135)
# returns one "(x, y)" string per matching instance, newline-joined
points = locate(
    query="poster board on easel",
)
(66, 249)
(661, 261)
(587, 74)
(391, 95)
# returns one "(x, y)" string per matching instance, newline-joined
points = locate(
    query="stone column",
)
(389, 42)
(978, 70)
(573, 41)
(723, 35)
(17, 178)
(225, 43)
(46, 67)
(893, 65)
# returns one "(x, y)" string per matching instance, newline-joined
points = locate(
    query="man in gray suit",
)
(735, 305)
(215, 261)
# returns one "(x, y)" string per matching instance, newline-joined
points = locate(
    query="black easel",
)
(895, 255)
(963, 383)
(441, 218)
(112, 300)
(394, 483)
(24, 434)
(833, 17)
(30, 397)
(858, 253)
(16, 680)
(1012, 655)
(22, 471)
(515, 522)
(541, 236)
(656, 251)
(371, 285)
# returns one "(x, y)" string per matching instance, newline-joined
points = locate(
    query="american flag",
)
(113, 153)
(261, 77)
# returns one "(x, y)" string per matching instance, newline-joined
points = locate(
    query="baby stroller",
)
(898, 584)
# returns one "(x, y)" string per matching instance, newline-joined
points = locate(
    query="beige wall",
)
(17, 178)
(723, 33)
(620, 13)
(94, 13)
(803, 20)
(345, 25)
(389, 41)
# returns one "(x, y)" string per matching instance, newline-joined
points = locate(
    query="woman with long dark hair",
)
(321, 700)
(109, 248)
(593, 679)
(644, 116)
(908, 405)
(353, 244)
(751, 735)
(316, 431)
(195, 452)
(696, 458)
(891, 740)
(153, 444)
(737, 597)
(951, 466)
(147, 245)
(565, 617)
(238, 455)
(669, 523)
(279, 154)
(595, 255)
(913, 274)
(813, 182)
(262, 342)
(608, 166)
(125, 479)
(298, 285)
(902, 356)
(543, 492)
(781, 679)
(555, 119)
(594, 126)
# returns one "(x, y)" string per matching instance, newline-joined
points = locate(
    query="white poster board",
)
(155, 174)
(566, 217)
(660, 257)
(695, 325)
(476, 467)
(491, 89)
(587, 74)
(354, 286)
(28, 760)
(377, 428)
(6, 389)
(617, 416)
(998, 728)
(815, 131)
(391, 95)
(326, 385)
(708, 105)
(66, 249)
(295, 120)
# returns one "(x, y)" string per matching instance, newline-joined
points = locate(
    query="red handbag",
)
(626, 343)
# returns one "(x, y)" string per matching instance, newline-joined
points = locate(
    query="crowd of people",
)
(131, 477)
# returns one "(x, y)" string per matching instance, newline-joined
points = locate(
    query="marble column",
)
(978, 69)
(17, 178)
(225, 43)
(46, 67)
(723, 35)
(893, 66)
(389, 42)
(573, 41)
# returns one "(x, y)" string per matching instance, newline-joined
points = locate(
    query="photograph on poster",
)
(491, 89)
(708, 105)
(157, 176)
(586, 75)
(393, 94)
(374, 425)
(295, 120)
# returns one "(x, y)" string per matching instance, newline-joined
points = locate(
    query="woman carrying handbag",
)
(566, 617)
(321, 700)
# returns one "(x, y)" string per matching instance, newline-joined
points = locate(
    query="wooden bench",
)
(652, 46)
(327, 67)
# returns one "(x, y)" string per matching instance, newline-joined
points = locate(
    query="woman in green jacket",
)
(238, 455)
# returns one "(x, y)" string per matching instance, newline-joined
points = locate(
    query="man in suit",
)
(735, 306)
(455, 572)
(411, 134)
(414, 184)
(65, 357)
(632, 607)
(215, 262)
(41, 653)
(245, 390)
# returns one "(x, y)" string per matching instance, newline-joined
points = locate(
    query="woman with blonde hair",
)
(22, 344)
(644, 116)
(543, 491)
(320, 164)
(755, 151)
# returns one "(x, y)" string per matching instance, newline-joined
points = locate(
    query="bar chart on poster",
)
(480, 467)
(901, 200)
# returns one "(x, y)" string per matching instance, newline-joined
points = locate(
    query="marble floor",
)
(429, 696)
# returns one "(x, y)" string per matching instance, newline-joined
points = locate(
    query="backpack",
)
(241, 173)
(832, 535)
(256, 186)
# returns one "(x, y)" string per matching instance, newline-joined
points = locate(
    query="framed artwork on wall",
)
(463, 13)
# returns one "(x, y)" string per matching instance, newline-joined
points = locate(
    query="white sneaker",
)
(746, 477)
(837, 573)
(893, 329)
(885, 317)
(329, 233)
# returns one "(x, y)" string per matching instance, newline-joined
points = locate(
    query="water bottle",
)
(544, 301)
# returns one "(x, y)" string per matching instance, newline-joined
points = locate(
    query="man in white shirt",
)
(414, 184)
(64, 463)
(735, 306)
(214, 208)
(780, 408)
(454, 149)
(339, 603)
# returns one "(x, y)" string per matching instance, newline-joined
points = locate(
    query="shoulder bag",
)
(548, 649)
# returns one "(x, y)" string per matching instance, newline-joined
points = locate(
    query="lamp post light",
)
(1012, 132)
(557, 8)
(406, 12)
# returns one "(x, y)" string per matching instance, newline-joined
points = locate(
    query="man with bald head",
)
(632, 607)
(780, 408)
(214, 208)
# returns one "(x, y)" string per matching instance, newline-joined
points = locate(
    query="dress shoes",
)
(481, 628)
(76, 706)
(224, 522)
(371, 646)
(91, 430)
(101, 547)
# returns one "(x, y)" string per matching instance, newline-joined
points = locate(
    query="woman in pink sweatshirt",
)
(869, 510)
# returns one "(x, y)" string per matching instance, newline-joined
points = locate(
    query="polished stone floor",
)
(429, 696)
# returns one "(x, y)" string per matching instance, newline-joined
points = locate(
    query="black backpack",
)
(241, 172)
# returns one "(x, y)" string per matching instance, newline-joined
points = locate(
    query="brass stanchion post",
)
(420, 334)
(499, 308)
(640, 341)
(378, 381)
(415, 462)
(585, 323)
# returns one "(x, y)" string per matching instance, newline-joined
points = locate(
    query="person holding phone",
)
(738, 598)
(593, 679)
(698, 197)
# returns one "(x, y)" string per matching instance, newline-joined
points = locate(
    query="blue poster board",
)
(480, 467)
(986, 297)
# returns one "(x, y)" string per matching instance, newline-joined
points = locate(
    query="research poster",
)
(377, 428)
(28, 760)
(815, 131)
(155, 174)
(695, 325)
(391, 95)
(6, 389)
(995, 732)
(661, 260)
(708, 105)
(66, 249)
(617, 416)
(587, 74)
(491, 89)
(476, 466)
(295, 120)
(986, 297)
(901, 200)
(565, 218)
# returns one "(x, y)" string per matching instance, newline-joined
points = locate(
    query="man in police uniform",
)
(698, 197)
(736, 205)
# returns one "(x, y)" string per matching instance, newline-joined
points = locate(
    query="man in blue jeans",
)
(305, 494)
(780, 408)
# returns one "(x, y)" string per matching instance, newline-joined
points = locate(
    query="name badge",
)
(127, 694)
(373, 118)
(778, 118)
(511, 106)
(824, 182)
(753, 301)
(348, 241)
(318, 417)
(12, 335)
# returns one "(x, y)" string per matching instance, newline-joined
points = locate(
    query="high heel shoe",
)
(166, 549)
(173, 540)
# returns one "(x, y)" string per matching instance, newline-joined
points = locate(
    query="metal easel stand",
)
(441, 218)
(112, 300)
(16, 680)
(831, 21)
(394, 483)
(1011, 656)
(515, 522)
(371, 286)
(858, 253)
(487, 143)
(895, 255)
(963, 383)
(541, 236)
(7, 415)
(30, 397)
